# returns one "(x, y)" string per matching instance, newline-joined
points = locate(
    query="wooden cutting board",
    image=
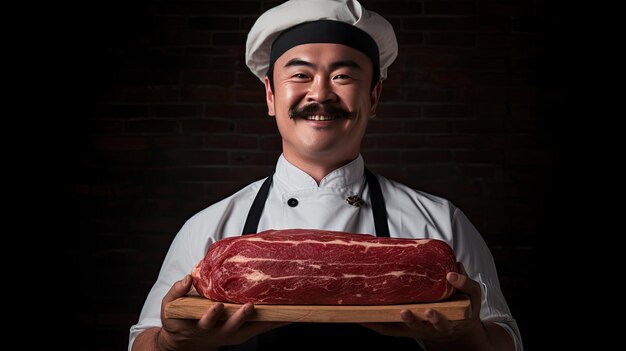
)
(193, 307)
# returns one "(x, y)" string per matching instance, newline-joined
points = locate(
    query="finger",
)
(210, 318)
(235, 321)
(438, 321)
(409, 319)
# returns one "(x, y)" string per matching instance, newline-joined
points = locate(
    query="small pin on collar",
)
(355, 200)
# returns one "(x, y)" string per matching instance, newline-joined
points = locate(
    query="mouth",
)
(319, 112)
(319, 118)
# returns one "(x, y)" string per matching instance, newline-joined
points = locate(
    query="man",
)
(322, 63)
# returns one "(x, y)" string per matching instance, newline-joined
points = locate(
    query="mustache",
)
(318, 109)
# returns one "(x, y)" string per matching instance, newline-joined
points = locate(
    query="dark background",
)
(161, 118)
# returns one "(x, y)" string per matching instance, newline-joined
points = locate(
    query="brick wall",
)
(165, 119)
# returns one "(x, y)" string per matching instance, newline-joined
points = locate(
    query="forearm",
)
(499, 338)
(147, 340)
(489, 337)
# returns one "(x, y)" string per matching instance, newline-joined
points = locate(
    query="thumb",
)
(465, 284)
(461, 281)
(179, 289)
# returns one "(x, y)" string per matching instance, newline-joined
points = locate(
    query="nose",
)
(321, 90)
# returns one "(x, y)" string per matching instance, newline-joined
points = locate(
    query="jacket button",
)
(292, 202)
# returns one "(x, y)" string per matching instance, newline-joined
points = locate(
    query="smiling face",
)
(322, 101)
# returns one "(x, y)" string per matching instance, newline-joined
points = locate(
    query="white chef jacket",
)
(411, 214)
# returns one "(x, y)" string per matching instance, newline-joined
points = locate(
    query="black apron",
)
(324, 336)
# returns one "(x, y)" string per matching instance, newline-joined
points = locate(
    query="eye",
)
(300, 76)
(342, 76)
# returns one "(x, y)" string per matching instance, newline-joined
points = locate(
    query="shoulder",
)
(224, 218)
(416, 213)
(404, 195)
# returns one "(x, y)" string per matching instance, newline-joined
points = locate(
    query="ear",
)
(375, 97)
(269, 97)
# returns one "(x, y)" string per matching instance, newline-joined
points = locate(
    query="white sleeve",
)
(181, 257)
(472, 251)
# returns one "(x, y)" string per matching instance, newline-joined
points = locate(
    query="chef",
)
(322, 63)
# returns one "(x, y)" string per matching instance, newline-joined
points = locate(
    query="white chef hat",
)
(319, 21)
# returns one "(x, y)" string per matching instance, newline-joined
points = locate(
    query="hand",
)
(434, 329)
(209, 332)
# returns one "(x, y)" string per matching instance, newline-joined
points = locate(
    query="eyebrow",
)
(333, 66)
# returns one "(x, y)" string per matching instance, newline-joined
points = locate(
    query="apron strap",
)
(254, 215)
(378, 205)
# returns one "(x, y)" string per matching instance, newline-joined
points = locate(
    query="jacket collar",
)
(294, 178)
